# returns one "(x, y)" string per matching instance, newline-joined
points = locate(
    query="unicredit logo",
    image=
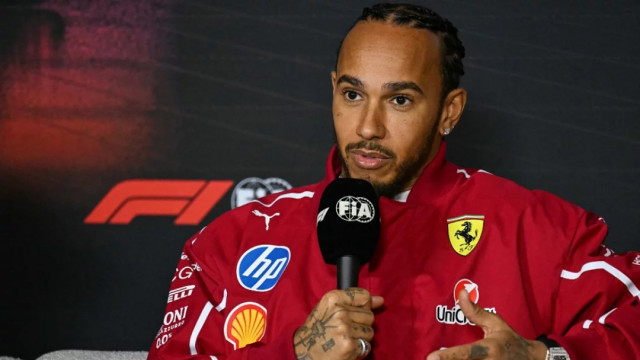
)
(470, 286)
(352, 208)
(454, 315)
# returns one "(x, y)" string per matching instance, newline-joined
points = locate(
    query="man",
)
(253, 285)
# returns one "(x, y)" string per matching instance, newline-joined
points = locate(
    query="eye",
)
(401, 100)
(351, 95)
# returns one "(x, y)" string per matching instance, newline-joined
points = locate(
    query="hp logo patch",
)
(352, 208)
(260, 267)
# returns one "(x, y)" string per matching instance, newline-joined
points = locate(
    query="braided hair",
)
(423, 18)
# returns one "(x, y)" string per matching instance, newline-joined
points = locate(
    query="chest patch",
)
(260, 267)
(246, 324)
(465, 232)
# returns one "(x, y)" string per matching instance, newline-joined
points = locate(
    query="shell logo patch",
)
(465, 232)
(246, 324)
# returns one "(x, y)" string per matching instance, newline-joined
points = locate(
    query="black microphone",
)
(348, 227)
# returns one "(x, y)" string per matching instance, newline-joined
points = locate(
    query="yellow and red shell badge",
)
(465, 232)
(245, 324)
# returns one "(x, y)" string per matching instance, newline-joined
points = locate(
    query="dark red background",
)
(94, 93)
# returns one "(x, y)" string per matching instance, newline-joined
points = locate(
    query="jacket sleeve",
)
(597, 309)
(194, 321)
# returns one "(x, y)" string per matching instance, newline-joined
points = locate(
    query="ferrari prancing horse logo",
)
(465, 232)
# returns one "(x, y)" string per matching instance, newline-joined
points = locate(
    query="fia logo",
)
(352, 208)
(260, 267)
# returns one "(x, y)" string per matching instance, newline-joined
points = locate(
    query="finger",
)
(376, 301)
(357, 297)
(356, 349)
(351, 296)
(363, 349)
(356, 314)
(362, 331)
(477, 314)
(474, 351)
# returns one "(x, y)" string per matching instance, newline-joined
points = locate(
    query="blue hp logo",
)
(260, 268)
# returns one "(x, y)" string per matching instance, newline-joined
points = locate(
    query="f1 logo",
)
(260, 268)
(189, 200)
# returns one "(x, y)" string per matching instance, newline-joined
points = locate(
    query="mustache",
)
(372, 146)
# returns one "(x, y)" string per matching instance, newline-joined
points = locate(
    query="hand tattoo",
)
(306, 337)
(521, 349)
(350, 293)
(364, 329)
(311, 335)
(478, 352)
(328, 345)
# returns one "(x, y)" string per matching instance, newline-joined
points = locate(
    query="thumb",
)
(376, 301)
(473, 312)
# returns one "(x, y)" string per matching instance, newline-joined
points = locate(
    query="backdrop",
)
(125, 127)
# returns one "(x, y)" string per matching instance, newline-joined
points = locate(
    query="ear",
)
(452, 110)
(333, 80)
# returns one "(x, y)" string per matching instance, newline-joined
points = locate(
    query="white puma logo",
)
(266, 217)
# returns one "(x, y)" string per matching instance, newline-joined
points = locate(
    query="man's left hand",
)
(500, 340)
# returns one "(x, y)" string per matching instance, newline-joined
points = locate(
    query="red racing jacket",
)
(248, 280)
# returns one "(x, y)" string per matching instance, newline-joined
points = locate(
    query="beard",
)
(406, 172)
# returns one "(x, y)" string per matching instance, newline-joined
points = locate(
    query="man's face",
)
(387, 104)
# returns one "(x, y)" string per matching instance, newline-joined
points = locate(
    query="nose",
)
(372, 124)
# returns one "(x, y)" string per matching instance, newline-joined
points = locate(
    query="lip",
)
(369, 160)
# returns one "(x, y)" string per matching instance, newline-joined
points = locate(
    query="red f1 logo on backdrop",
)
(189, 200)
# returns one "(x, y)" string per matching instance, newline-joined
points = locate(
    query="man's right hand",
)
(334, 327)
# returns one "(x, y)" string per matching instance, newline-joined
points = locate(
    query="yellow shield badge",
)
(465, 232)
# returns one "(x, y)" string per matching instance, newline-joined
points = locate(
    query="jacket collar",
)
(436, 180)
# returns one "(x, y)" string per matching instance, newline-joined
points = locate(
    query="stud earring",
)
(446, 131)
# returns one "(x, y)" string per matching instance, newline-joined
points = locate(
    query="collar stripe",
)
(296, 196)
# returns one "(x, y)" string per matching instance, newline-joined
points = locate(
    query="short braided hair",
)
(423, 18)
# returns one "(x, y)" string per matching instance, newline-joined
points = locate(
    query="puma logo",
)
(266, 217)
